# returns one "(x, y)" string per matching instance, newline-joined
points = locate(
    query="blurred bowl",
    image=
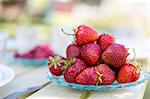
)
(31, 62)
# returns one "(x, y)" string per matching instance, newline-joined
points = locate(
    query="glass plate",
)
(59, 80)
(26, 62)
(33, 62)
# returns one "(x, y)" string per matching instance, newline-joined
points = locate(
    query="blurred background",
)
(25, 24)
(42, 19)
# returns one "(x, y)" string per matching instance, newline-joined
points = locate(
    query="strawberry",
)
(39, 52)
(28, 55)
(115, 55)
(87, 77)
(128, 73)
(56, 64)
(85, 35)
(73, 51)
(107, 74)
(48, 51)
(104, 41)
(100, 75)
(42, 52)
(17, 55)
(91, 53)
(73, 70)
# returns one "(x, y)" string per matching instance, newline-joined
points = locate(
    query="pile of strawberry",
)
(94, 60)
(39, 53)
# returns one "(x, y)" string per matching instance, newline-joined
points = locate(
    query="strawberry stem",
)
(134, 53)
(134, 61)
(85, 95)
(74, 37)
(74, 30)
(66, 32)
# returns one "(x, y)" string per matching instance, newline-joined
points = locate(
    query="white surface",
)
(25, 76)
(6, 75)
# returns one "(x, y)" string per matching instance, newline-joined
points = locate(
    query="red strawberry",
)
(74, 70)
(87, 77)
(73, 51)
(56, 64)
(85, 35)
(105, 41)
(28, 55)
(39, 52)
(17, 55)
(128, 73)
(115, 55)
(91, 53)
(48, 51)
(100, 75)
(107, 74)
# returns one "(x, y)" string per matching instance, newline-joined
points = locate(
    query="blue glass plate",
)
(26, 62)
(59, 80)
(33, 62)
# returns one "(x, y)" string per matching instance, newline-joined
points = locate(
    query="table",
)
(53, 91)
(27, 76)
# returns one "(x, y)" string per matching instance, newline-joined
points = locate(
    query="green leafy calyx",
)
(55, 61)
(68, 63)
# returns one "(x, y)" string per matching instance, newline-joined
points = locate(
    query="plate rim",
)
(97, 88)
(10, 78)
